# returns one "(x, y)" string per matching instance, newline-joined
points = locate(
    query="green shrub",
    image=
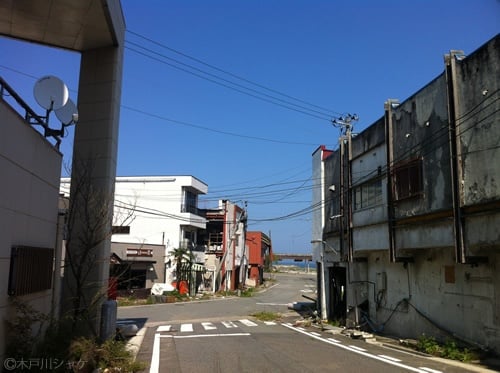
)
(90, 355)
(31, 334)
(449, 350)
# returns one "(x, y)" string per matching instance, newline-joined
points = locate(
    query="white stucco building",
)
(154, 211)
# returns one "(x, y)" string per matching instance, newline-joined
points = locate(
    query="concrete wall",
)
(369, 165)
(426, 289)
(435, 296)
(477, 121)
(30, 167)
(420, 130)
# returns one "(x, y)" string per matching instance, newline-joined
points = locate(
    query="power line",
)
(184, 123)
(156, 116)
(212, 78)
(231, 74)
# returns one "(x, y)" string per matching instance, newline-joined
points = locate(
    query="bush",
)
(87, 355)
(55, 341)
(176, 294)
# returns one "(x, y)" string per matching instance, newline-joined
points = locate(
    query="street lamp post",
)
(323, 284)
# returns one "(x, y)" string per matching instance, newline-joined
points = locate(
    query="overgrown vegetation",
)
(33, 335)
(112, 355)
(176, 294)
(449, 350)
(133, 301)
(246, 293)
(267, 316)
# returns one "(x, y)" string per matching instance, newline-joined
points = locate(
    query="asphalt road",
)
(222, 336)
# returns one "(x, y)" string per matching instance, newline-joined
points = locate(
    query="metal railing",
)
(30, 116)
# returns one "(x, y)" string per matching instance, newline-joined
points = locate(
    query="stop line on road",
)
(209, 326)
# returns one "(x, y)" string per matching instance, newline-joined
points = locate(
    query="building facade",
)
(259, 250)
(411, 210)
(154, 215)
(30, 166)
(226, 255)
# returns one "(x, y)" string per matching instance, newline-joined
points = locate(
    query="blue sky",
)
(250, 142)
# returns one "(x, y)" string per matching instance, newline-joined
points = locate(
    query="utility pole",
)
(346, 125)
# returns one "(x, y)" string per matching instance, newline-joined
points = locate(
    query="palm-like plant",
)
(181, 255)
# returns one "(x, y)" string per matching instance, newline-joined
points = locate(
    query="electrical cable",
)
(287, 106)
(329, 111)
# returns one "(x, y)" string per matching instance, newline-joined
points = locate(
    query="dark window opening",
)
(408, 180)
(368, 194)
(31, 270)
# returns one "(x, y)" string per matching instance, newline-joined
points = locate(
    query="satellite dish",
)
(68, 114)
(50, 92)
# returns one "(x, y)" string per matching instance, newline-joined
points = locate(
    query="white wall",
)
(30, 167)
(151, 206)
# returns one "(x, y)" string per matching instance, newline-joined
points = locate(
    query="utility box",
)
(381, 281)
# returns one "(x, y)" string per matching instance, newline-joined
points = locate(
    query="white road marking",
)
(247, 322)
(315, 333)
(229, 324)
(357, 348)
(367, 354)
(307, 291)
(389, 357)
(272, 304)
(269, 323)
(334, 340)
(208, 326)
(164, 328)
(430, 370)
(205, 335)
(186, 328)
(155, 356)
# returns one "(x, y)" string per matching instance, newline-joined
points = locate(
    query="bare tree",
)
(89, 223)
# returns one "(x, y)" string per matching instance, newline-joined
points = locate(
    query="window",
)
(190, 203)
(215, 238)
(408, 179)
(31, 270)
(368, 194)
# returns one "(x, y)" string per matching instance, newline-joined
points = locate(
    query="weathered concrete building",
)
(411, 210)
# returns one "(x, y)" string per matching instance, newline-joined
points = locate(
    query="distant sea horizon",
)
(291, 262)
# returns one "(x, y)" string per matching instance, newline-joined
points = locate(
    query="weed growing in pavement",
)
(449, 350)
(267, 316)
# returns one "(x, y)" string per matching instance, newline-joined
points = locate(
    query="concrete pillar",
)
(92, 185)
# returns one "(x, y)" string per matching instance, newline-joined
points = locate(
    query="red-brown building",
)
(259, 247)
